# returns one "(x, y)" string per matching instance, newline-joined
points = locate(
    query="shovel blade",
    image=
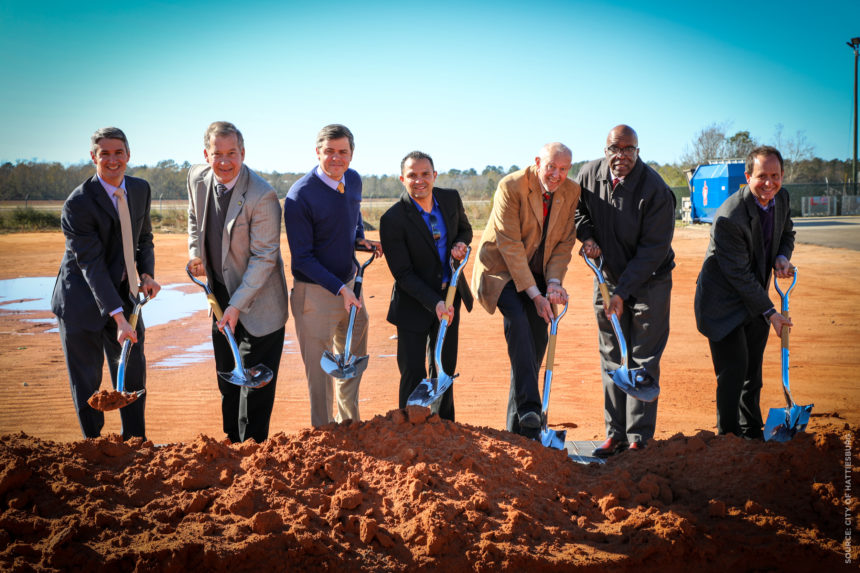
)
(337, 366)
(637, 383)
(429, 391)
(783, 423)
(255, 377)
(553, 438)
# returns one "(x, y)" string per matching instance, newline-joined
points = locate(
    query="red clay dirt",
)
(107, 400)
(402, 490)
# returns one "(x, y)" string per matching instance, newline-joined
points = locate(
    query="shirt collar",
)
(333, 183)
(421, 209)
(767, 207)
(111, 189)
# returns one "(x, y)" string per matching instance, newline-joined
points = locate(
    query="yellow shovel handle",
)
(216, 308)
(604, 294)
(785, 331)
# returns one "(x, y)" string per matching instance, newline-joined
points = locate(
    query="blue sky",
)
(471, 83)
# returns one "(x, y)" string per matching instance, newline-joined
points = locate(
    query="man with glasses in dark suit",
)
(419, 234)
(627, 214)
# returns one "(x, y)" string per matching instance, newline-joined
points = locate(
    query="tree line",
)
(53, 181)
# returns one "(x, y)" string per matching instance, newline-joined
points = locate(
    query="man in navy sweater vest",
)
(323, 221)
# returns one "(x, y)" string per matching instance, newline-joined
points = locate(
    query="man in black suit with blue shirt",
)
(95, 287)
(419, 234)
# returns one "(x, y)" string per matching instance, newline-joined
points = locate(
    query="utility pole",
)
(854, 44)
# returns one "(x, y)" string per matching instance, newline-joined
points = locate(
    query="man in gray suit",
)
(752, 233)
(234, 233)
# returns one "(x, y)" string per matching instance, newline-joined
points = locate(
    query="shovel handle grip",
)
(550, 352)
(449, 298)
(216, 308)
(785, 331)
(604, 294)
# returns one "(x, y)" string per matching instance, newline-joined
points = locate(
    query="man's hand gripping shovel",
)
(345, 366)
(636, 382)
(105, 401)
(429, 391)
(255, 377)
(783, 423)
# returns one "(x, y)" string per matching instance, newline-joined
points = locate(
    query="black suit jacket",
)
(733, 283)
(88, 284)
(414, 261)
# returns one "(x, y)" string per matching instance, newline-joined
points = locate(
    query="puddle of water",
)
(198, 353)
(33, 294)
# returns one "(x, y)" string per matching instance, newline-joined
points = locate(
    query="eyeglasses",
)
(629, 151)
(434, 227)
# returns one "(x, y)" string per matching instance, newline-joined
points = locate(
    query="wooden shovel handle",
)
(604, 294)
(216, 308)
(550, 352)
(785, 331)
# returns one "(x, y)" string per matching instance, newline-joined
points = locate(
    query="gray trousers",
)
(645, 324)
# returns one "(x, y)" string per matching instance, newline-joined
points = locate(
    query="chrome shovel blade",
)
(553, 438)
(637, 383)
(784, 423)
(430, 390)
(255, 377)
(336, 366)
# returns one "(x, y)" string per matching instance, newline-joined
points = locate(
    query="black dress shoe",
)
(609, 447)
(637, 446)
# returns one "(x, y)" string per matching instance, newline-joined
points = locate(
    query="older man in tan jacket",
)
(521, 263)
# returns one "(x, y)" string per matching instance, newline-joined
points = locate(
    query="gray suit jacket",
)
(251, 246)
(733, 283)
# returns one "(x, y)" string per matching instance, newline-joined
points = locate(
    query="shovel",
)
(783, 424)
(551, 438)
(345, 366)
(636, 382)
(429, 391)
(255, 377)
(105, 401)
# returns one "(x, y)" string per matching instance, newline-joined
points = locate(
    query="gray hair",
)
(109, 133)
(222, 129)
(335, 131)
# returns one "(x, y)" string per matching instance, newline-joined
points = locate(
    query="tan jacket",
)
(514, 231)
(251, 248)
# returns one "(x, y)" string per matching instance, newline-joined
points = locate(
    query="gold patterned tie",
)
(127, 244)
(340, 187)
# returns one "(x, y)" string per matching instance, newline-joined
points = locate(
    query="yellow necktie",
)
(340, 187)
(127, 244)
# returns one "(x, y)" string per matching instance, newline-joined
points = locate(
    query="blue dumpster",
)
(712, 184)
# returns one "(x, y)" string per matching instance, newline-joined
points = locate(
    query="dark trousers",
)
(738, 364)
(246, 412)
(526, 335)
(645, 325)
(85, 352)
(416, 349)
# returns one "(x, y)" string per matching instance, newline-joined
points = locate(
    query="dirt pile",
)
(409, 491)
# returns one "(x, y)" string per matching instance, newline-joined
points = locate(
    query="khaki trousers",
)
(321, 324)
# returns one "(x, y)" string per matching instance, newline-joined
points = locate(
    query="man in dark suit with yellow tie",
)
(99, 279)
(419, 234)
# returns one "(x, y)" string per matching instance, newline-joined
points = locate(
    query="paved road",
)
(842, 232)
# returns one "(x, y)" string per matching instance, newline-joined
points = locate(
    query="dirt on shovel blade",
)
(106, 400)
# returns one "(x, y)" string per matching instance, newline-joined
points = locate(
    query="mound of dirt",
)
(409, 491)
